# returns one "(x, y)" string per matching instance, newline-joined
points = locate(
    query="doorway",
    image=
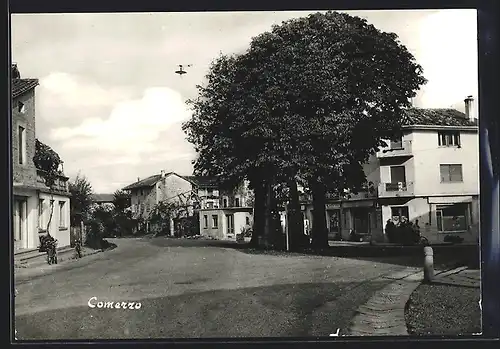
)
(19, 224)
(361, 220)
(230, 225)
(333, 224)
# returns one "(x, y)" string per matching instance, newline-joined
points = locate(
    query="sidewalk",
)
(21, 273)
(384, 313)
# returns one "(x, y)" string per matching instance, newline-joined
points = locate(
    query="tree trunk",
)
(276, 234)
(51, 214)
(319, 228)
(267, 233)
(259, 213)
(295, 221)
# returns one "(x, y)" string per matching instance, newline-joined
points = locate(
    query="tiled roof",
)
(147, 182)
(436, 117)
(21, 86)
(203, 181)
(103, 197)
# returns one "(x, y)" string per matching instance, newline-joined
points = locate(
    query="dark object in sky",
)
(180, 71)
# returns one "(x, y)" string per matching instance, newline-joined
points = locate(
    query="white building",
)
(431, 175)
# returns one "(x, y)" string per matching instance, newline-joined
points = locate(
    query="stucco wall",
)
(209, 230)
(61, 233)
(428, 156)
(174, 189)
(146, 197)
(25, 173)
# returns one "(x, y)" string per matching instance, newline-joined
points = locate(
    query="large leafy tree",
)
(309, 100)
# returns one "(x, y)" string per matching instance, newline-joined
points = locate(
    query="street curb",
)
(384, 313)
(44, 269)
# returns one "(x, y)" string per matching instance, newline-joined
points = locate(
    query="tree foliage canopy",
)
(48, 161)
(81, 198)
(121, 200)
(313, 97)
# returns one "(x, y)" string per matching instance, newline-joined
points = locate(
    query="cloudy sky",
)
(111, 105)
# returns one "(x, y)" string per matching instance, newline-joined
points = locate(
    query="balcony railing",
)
(403, 148)
(395, 189)
(61, 183)
(362, 194)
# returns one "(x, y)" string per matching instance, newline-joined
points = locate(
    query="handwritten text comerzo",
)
(92, 303)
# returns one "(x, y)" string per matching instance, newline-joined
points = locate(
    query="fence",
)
(77, 233)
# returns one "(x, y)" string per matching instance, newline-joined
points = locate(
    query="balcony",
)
(61, 183)
(395, 149)
(392, 190)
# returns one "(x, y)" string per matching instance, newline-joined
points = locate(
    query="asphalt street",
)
(194, 289)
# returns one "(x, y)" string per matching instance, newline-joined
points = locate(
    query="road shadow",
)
(288, 310)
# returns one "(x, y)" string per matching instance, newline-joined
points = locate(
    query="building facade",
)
(220, 214)
(35, 206)
(429, 176)
(223, 213)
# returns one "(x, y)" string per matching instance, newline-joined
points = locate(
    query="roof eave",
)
(440, 127)
(25, 90)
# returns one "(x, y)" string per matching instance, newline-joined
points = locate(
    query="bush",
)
(246, 232)
(95, 234)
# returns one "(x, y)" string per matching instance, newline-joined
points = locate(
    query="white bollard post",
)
(428, 264)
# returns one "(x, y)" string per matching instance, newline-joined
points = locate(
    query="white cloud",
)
(133, 125)
(144, 133)
(63, 88)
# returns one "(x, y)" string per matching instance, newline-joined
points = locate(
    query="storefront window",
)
(452, 218)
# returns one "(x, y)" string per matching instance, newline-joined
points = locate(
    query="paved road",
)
(192, 289)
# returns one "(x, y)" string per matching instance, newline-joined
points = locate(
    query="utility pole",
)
(286, 227)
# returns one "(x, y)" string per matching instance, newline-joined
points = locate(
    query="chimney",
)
(15, 71)
(470, 110)
(162, 174)
(138, 179)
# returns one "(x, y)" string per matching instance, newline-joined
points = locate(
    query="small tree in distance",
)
(81, 200)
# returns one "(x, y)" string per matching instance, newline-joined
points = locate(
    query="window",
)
(237, 202)
(452, 218)
(398, 174)
(21, 108)
(247, 220)
(224, 202)
(398, 213)
(142, 192)
(210, 192)
(449, 138)
(41, 211)
(205, 221)
(451, 173)
(22, 144)
(215, 221)
(209, 204)
(62, 214)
